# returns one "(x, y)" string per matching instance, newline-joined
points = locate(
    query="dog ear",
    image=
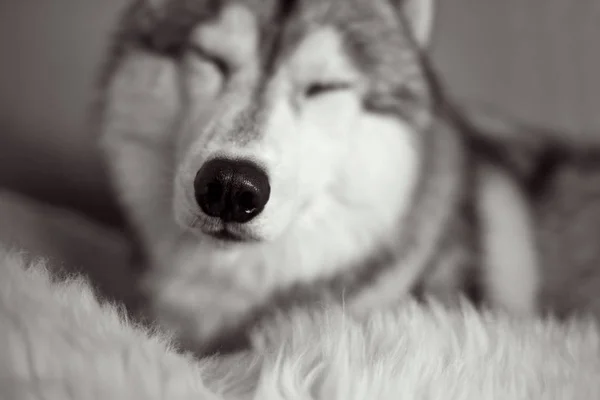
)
(418, 15)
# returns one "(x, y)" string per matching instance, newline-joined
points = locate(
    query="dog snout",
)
(231, 190)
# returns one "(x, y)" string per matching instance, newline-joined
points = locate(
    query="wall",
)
(537, 59)
(50, 54)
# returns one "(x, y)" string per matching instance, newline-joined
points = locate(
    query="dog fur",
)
(57, 342)
(380, 185)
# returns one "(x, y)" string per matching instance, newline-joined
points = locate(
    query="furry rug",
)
(58, 342)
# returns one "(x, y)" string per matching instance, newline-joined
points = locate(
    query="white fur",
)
(58, 343)
(420, 15)
(232, 38)
(395, 284)
(511, 266)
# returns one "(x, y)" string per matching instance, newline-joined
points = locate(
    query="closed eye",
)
(221, 65)
(320, 88)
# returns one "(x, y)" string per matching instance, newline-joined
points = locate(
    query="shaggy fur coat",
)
(57, 341)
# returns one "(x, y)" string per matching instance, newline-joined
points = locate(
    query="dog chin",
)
(226, 236)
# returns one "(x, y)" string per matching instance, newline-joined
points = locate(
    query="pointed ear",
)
(419, 16)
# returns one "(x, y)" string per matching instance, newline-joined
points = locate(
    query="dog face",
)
(278, 117)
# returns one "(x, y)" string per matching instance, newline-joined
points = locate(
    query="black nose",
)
(232, 190)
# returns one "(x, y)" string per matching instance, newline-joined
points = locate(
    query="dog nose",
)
(232, 190)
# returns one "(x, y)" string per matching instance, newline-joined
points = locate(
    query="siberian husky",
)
(271, 153)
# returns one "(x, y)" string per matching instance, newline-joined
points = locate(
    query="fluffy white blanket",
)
(58, 342)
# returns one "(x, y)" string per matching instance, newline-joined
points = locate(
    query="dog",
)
(272, 154)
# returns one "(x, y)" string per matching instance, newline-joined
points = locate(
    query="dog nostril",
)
(214, 192)
(232, 190)
(247, 202)
(210, 197)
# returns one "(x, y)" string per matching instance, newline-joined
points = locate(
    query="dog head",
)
(275, 115)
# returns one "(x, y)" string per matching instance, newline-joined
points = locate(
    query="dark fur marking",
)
(283, 15)
(272, 42)
(547, 166)
(171, 31)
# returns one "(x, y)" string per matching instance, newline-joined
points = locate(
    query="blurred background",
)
(538, 60)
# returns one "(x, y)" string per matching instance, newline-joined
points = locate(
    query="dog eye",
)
(221, 65)
(319, 88)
